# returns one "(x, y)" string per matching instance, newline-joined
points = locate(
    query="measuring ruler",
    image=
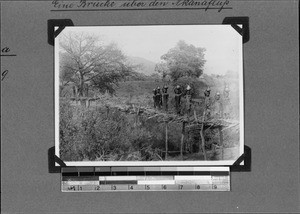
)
(108, 179)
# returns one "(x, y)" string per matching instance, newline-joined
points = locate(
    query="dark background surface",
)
(271, 114)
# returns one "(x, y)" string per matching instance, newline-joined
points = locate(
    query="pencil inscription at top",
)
(87, 5)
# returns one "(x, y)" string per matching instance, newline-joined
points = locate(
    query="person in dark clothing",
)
(154, 97)
(158, 98)
(207, 104)
(207, 92)
(165, 98)
(188, 95)
(178, 94)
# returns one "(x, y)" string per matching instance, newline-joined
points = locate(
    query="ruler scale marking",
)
(109, 179)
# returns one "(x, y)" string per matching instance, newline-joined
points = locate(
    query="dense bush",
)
(102, 134)
(98, 135)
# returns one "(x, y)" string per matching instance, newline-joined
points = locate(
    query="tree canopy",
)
(86, 61)
(183, 60)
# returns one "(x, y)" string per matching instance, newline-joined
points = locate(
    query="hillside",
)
(147, 67)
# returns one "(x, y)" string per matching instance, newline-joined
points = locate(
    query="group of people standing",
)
(161, 99)
(218, 106)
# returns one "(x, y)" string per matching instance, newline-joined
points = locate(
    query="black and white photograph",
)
(149, 106)
(149, 95)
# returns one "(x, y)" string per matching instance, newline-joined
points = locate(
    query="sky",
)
(222, 43)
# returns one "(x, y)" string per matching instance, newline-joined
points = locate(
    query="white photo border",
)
(149, 163)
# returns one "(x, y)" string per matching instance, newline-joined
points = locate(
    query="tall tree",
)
(85, 61)
(162, 69)
(183, 60)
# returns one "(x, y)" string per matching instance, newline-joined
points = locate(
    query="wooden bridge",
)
(190, 122)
